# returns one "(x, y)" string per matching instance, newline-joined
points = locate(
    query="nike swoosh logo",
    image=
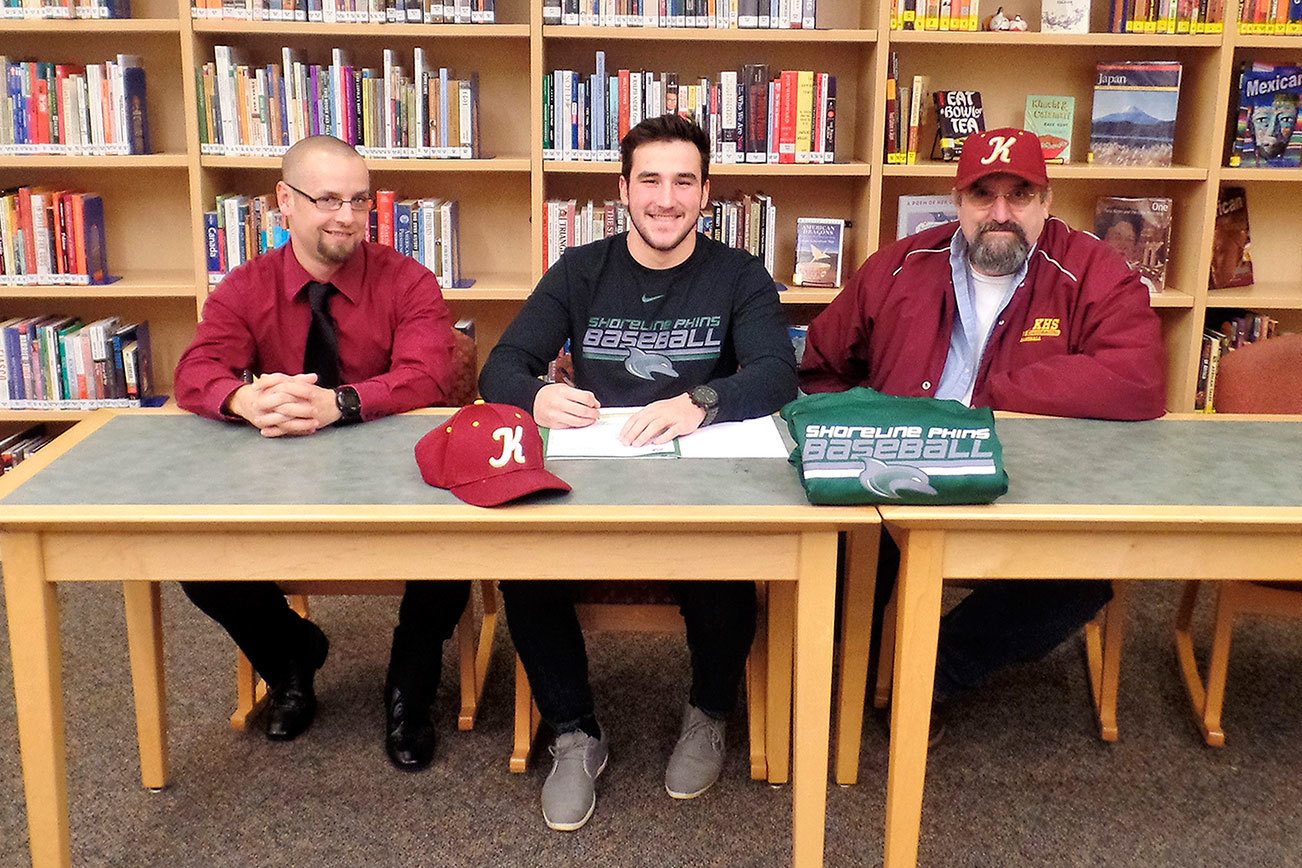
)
(648, 299)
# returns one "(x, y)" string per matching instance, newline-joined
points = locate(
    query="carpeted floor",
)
(1021, 778)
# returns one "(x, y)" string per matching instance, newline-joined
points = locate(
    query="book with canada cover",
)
(919, 212)
(818, 251)
(958, 115)
(1231, 242)
(1133, 122)
(1050, 118)
(1267, 132)
(1139, 229)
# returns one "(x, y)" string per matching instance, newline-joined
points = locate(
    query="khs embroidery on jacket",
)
(1044, 327)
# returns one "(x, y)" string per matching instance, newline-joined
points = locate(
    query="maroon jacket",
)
(1078, 338)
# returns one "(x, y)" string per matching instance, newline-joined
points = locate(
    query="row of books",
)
(26, 443)
(350, 11)
(1066, 16)
(935, 15)
(1132, 122)
(17, 9)
(568, 224)
(1165, 16)
(72, 108)
(749, 116)
(1273, 17)
(428, 230)
(1265, 129)
(52, 238)
(904, 113)
(61, 363)
(1234, 331)
(712, 14)
(747, 223)
(385, 112)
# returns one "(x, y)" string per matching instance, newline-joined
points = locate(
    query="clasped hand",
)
(282, 405)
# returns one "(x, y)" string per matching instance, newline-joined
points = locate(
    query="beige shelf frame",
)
(157, 201)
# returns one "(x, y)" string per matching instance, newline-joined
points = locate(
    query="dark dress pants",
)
(999, 623)
(273, 636)
(720, 619)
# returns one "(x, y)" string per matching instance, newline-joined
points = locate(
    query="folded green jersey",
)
(861, 446)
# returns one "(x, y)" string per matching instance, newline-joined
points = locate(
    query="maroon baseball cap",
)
(486, 454)
(1006, 151)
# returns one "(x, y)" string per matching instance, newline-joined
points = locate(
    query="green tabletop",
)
(184, 459)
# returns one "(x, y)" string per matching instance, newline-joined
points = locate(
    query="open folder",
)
(753, 438)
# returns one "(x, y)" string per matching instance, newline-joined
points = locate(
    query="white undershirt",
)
(988, 294)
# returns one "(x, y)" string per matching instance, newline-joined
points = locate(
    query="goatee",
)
(998, 256)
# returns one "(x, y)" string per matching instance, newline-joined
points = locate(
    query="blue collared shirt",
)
(967, 340)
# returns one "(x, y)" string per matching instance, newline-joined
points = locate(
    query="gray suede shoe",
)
(570, 794)
(698, 756)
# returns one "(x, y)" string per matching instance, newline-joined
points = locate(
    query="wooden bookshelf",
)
(156, 202)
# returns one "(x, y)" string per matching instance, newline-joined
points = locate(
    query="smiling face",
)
(664, 194)
(324, 240)
(1001, 216)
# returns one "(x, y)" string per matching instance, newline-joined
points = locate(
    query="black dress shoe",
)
(409, 735)
(292, 705)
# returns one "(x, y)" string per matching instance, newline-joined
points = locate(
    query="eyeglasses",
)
(334, 203)
(1017, 198)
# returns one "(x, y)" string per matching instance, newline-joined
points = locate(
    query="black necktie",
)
(322, 354)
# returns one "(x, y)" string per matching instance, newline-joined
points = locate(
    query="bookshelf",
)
(156, 202)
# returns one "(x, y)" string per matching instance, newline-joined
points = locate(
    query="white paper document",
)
(753, 438)
(601, 439)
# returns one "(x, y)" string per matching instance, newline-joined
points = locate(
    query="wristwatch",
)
(349, 404)
(708, 400)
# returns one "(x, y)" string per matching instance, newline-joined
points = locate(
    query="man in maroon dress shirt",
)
(328, 329)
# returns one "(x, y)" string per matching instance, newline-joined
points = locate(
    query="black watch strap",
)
(707, 399)
(349, 404)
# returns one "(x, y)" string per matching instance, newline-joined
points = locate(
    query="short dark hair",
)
(666, 128)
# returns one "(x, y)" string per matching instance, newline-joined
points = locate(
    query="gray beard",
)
(998, 258)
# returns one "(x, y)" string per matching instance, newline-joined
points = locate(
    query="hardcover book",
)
(958, 115)
(923, 212)
(1231, 241)
(1267, 133)
(1133, 122)
(1050, 118)
(1140, 230)
(818, 251)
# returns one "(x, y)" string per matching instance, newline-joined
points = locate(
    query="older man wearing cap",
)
(1008, 308)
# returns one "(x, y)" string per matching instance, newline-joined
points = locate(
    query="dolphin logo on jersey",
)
(644, 365)
(888, 480)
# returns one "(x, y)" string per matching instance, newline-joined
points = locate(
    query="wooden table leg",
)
(33, 609)
(815, 613)
(856, 636)
(145, 639)
(781, 633)
(917, 628)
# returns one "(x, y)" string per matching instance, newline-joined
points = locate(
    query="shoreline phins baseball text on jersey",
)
(838, 443)
(691, 333)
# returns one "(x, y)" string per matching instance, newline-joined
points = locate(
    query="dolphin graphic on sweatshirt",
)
(645, 365)
(889, 480)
